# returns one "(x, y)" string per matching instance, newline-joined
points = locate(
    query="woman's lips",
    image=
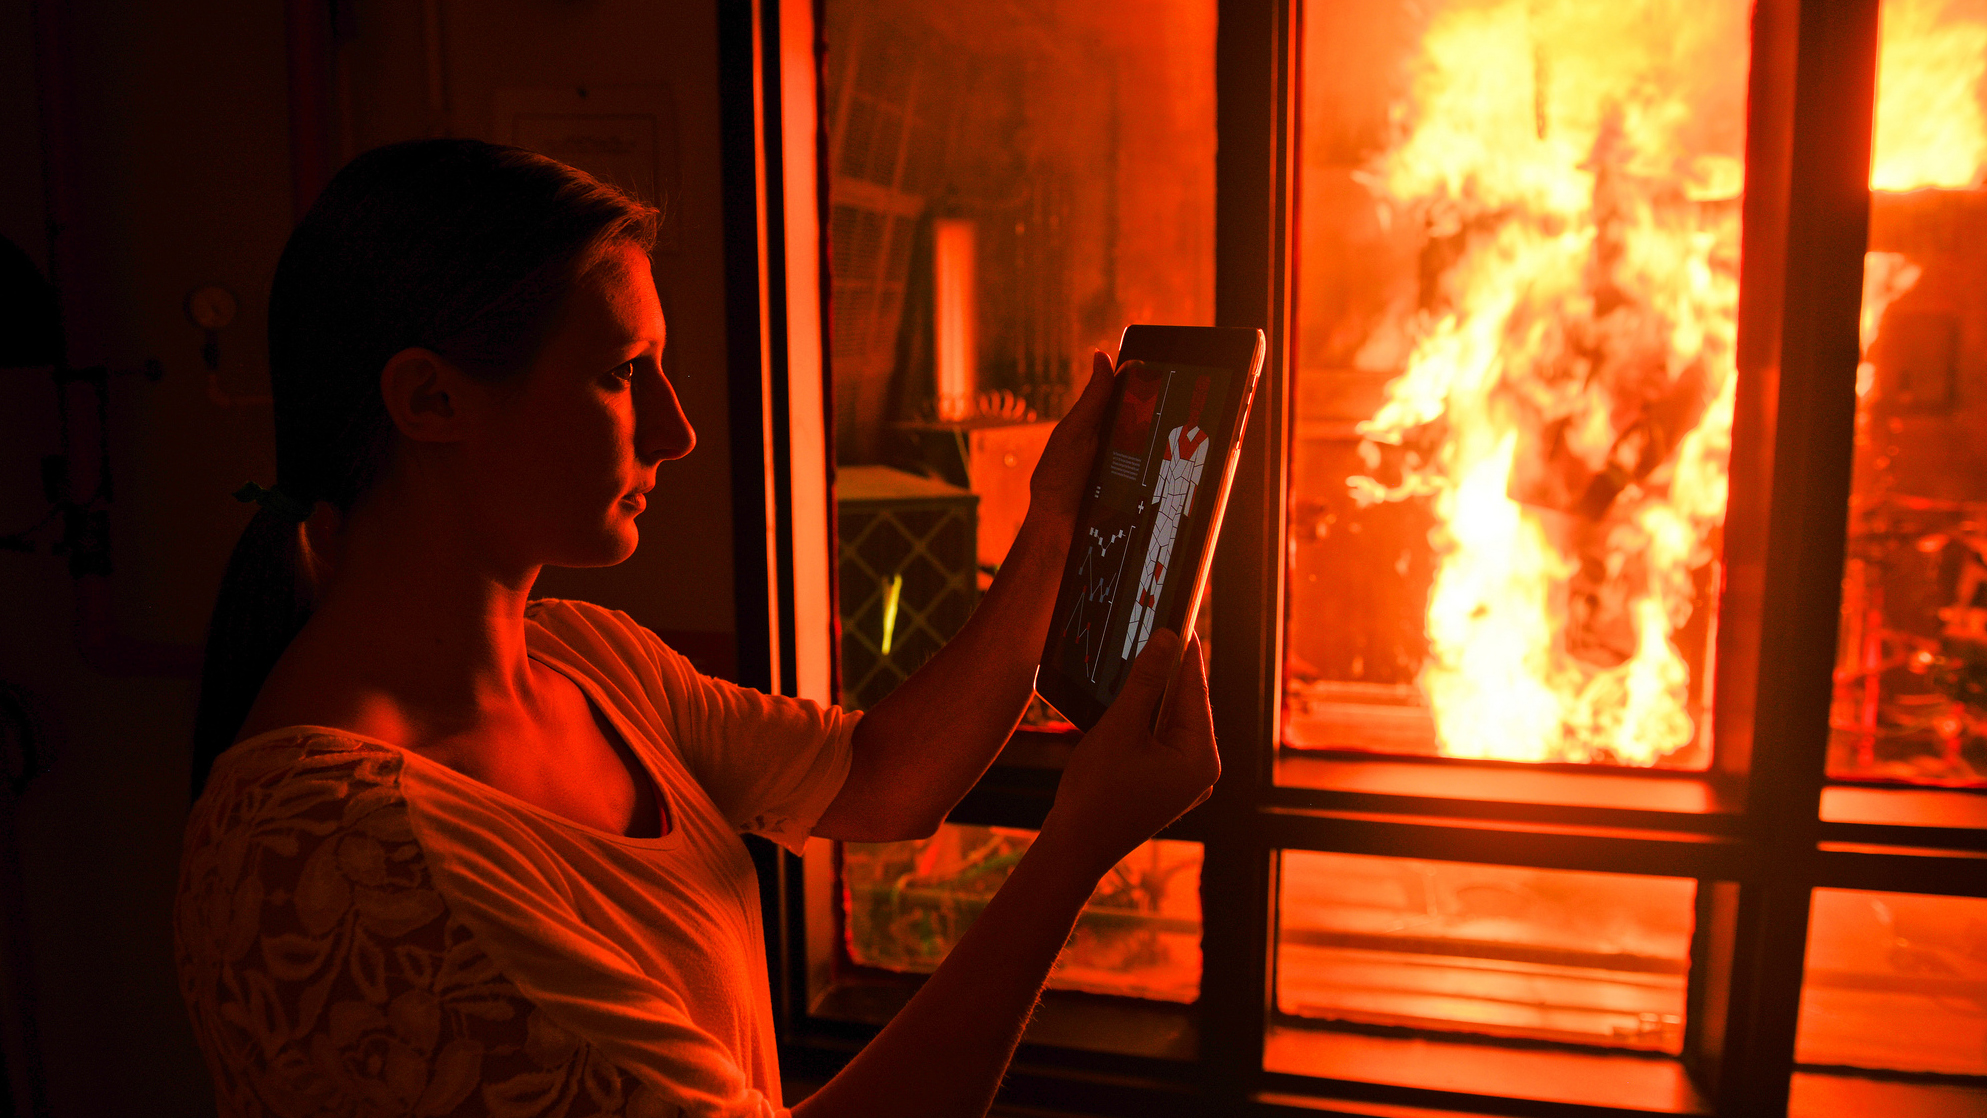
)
(639, 500)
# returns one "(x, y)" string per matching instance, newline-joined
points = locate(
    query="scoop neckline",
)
(665, 802)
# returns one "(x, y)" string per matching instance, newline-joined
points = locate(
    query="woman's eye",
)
(625, 373)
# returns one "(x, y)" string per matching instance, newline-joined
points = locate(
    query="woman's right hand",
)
(1124, 783)
(945, 1052)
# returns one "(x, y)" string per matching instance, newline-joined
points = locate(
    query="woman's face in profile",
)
(573, 450)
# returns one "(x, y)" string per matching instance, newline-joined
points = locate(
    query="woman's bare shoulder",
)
(327, 687)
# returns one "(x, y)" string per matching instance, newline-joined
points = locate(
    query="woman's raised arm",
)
(921, 748)
(944, 1054)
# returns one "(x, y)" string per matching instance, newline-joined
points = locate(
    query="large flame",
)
(1930, 128)
(1566, 398)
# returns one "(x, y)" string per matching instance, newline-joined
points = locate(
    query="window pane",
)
(1895, 981)
(1519, 235)
(1911, 661)
(1584, 958)
(1011, 183)
(1829, 1095)
(907, 903)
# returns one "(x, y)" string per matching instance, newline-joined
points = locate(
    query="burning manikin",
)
(1179, 476)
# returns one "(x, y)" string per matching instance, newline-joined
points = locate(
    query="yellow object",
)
(890, 597)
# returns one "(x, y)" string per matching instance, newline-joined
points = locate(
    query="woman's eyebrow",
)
(631, 347)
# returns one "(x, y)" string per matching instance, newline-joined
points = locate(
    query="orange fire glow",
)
(1565, 403)
(1930, 128)
(1886, 277)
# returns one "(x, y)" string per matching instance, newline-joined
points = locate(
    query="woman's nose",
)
(662, 431)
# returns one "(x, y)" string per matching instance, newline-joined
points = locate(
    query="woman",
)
(462, 852)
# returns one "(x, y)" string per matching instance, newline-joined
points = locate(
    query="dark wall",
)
(175, 126)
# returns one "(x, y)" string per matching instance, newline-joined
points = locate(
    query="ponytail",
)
(266, 596)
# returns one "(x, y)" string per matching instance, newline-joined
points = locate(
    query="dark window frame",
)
(1759, 831)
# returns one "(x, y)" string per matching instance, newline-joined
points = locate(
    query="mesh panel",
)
(919, 553)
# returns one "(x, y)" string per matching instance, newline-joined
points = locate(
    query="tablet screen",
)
(1159, 468)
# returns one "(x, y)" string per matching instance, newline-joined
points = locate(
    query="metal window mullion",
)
(1255, 82)
(1811, 189)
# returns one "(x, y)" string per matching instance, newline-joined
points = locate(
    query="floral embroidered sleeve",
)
(325, 974)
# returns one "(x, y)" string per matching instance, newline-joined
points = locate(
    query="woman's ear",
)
(428, 397)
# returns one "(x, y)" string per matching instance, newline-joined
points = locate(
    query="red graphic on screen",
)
(1192, 436)
(1135, 413)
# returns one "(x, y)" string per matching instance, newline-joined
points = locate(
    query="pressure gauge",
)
(211, 307)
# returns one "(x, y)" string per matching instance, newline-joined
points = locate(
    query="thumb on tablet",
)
(1147, 682)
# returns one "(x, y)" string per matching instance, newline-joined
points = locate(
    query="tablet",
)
(1152, 507)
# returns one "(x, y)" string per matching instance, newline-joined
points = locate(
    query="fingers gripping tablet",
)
(1151, 508)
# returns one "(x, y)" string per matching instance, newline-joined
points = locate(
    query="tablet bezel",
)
(1238, 351)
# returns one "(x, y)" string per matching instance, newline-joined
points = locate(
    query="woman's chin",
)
(622, 544)
(611, 546)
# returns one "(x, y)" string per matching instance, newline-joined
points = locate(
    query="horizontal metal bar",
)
(1022, 798)
(1563, 800)
(1473, 950)
(1593, 849)
(1958, 873)
(1858, 856)
(1878, 834)
(1295, 1095)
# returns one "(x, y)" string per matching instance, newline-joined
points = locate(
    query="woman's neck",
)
(418, 626)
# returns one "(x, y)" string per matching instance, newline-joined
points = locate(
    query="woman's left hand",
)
(971, 693)
(1056, 489)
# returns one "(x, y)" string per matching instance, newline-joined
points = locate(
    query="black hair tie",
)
(275, 500)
